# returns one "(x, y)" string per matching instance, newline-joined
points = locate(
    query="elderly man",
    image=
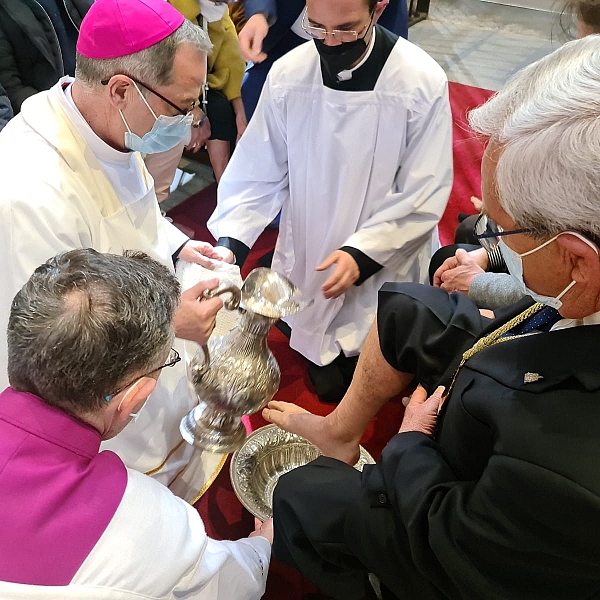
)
(140, 67)
(88, 336)
(492, 487)
(352, 141)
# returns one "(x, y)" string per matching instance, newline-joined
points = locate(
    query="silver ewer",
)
(236, 374)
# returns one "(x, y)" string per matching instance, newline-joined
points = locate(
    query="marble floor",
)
(481, 43)
(477, 42)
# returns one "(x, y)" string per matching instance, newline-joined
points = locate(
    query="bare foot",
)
(321, 431)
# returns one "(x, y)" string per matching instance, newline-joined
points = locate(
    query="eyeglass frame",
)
(169, 363)
(181, 111)
(483, 238)
(333, 32)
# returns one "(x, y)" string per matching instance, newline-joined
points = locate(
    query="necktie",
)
(540, 321)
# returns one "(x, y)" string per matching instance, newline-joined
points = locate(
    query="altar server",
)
(72, 176)
(88, 336)
(351, 140)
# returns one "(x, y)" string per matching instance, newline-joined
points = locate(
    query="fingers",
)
(436, 398)
(251, 38)
(450, 263)
(209, 307)
(418, 396)
(344, 276)
(463, 257)
(196, 291)
(334, 287)
(330, 260)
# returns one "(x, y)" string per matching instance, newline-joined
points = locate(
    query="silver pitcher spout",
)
(236, 374)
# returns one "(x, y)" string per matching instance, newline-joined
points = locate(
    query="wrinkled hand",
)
(203, 253)
(196, 315)
(457, 272)
(421, 412)
(199, 136)
(263, 529)
(343, 278)
(251, 38)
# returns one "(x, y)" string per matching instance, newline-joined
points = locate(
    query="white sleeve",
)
(156, 546)
(394, 235)
(254, 185)
(175, 237)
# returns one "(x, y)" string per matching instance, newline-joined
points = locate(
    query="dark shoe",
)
(328, 381)
(347, 366)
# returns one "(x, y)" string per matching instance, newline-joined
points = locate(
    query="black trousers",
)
(317, 509)
(309, 518)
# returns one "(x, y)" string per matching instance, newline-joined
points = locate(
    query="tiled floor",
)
(477, 42)
(483, 44)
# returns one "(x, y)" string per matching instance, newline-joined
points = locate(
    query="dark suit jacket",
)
(505, 502)
(30, 55)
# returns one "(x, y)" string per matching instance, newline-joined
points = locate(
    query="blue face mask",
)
(514, 263)
(165, 134)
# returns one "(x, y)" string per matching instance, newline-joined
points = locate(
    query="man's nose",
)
(330, 39)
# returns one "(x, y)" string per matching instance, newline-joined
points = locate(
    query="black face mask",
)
(341, 57)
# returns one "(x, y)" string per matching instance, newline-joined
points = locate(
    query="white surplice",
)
(371, 170)
(156, 548)
(62, 188)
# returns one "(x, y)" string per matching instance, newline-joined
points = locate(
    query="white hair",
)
(547, 121)
(152, 66)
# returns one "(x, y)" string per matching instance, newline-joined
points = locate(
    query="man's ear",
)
(584, 256)
(379, 8)
(119, 89)
(136, 394)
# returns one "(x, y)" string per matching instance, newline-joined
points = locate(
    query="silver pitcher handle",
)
(231, 304)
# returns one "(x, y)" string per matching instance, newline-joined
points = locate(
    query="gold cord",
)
(495, 337)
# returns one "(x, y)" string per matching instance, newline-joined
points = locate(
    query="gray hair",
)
(86, 323)
(152, 66)
(547, 120)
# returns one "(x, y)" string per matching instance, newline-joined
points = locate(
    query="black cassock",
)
(504, 503)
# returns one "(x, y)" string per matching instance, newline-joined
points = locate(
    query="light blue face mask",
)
(165, 134)
(514, 263)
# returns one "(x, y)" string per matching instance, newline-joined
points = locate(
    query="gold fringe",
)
(210, 481)
(164, 462)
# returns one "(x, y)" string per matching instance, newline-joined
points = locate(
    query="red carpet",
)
(467, 151)
(223, 515)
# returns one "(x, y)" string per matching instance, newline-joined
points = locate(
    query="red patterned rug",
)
(223, 515)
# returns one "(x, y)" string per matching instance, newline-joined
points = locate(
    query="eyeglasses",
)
(488, 232)
(341, 35)
(181, 111)
(172, 360)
